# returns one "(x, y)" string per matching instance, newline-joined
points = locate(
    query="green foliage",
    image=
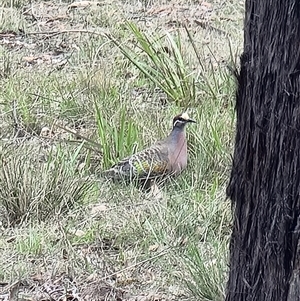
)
(38, 190)
(161, 60)
(116, 141)
(206, 264)
(5, 64)
(32, 244)
(9, 19)
(13, 3)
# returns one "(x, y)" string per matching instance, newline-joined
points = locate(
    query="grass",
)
(72, 104)
(160, 60)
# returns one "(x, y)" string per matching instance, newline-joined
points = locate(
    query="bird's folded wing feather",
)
(148, 163)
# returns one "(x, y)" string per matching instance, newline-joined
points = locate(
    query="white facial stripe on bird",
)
(178, 121)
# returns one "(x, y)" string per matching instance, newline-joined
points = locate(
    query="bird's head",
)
(181, 120)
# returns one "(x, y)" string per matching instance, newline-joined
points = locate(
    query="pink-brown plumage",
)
(166, 157)
(177, 153)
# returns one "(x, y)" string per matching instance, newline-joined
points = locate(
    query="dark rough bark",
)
(265, 181)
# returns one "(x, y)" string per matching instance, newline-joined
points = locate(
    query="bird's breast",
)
(178, 158)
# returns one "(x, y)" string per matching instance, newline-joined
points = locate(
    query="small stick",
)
(66, 31)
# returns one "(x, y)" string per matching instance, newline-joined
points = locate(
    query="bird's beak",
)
(192, 120)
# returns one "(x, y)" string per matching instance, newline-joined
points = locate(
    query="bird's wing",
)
(148, 163)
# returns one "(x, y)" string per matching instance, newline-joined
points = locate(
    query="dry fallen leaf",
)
(206, 4)
(77, 232)
(82, 4)
(155, 192)
(153, 248)
(46, 132)
(99, 208)
(30, 59)
(160, 9)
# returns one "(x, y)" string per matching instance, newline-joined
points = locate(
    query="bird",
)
(167, 157)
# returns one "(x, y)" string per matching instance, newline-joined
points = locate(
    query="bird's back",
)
(146, 164)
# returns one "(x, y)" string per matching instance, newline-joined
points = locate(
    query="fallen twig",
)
(66, 31)
(205, 25)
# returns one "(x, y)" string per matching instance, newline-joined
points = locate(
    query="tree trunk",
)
(265, 179)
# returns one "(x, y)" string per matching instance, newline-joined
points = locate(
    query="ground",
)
(82, 85)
